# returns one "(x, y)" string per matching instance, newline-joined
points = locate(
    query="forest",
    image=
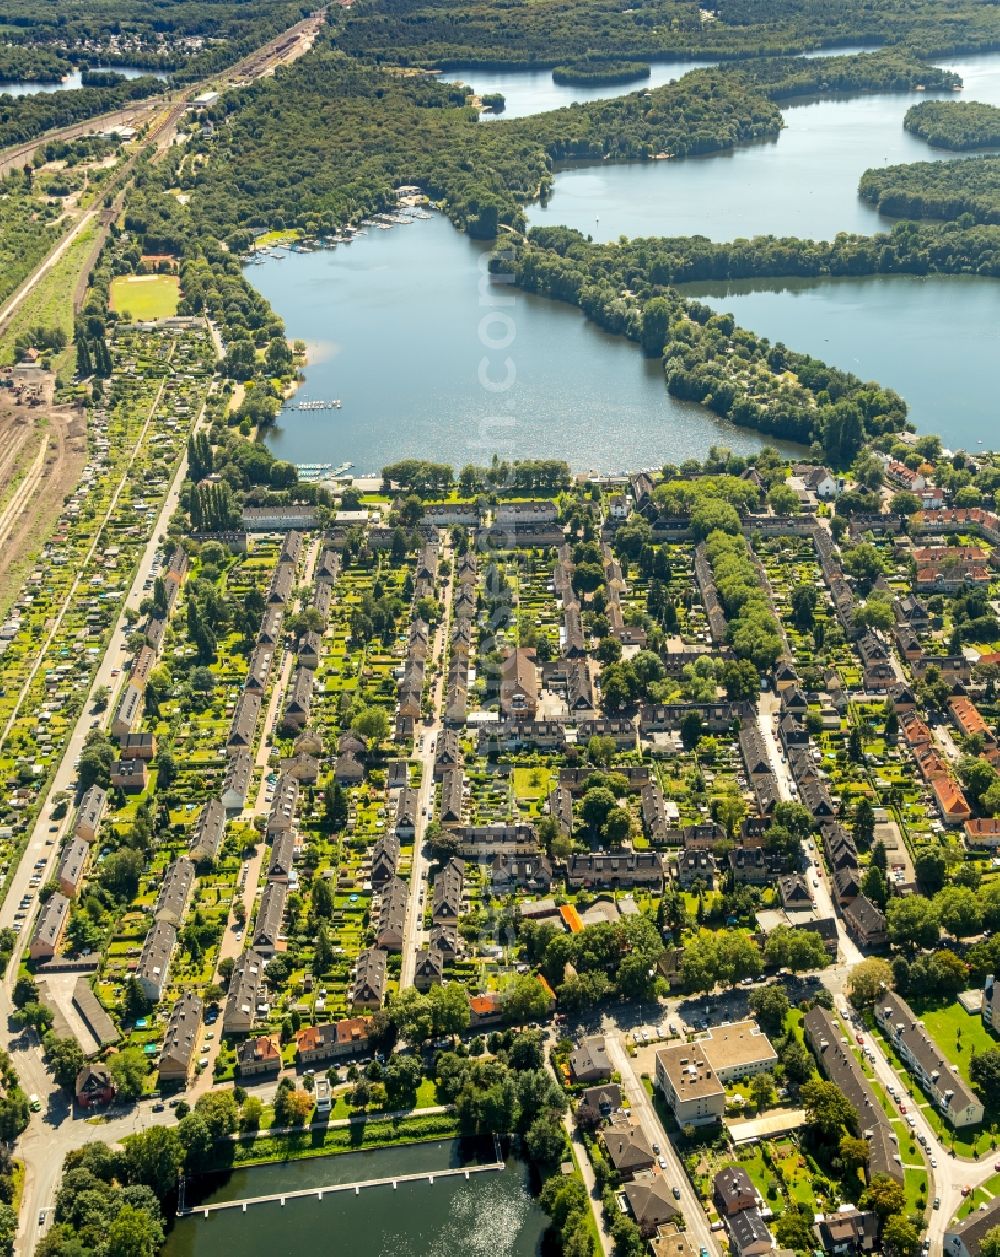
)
(23, 64)
(25, 117)
(154, 31)
(590, 72)
(518, 32)
(968, 189)
(707, 359)
(959, 125)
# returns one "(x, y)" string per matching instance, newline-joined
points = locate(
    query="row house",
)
(72, 867)
(953, 1099)
(49, 927)
(825, 1036)
(270, 916)
(90, 813)
(519, 685)
(129, 711)
(655, 822)
(246, 999)
(138, 746)
(322, 600)
(385, 860)
(236, 782)
(615, 870)
(175, 890)
(511, 872)
(368, 986)
(668, 717)
(281, 817)
(291, 547)
(299, 704)
(282, 584)
(560, 808)
(129, 775)
(866, 922)
(621, 731)
(405, 816)
(310, 650)
(691, 868)
(709, 594)
(499, 838)
(446, 897)
(968, 719)
(449, 753)
(496, 738)
(270, 627)
(243, 729)
(179, 1049)
(575, 779)
(154, 961)
(574, 644)
(390, 931)
(955, 669)
(281, 866)
(751, 864)
(452, 796)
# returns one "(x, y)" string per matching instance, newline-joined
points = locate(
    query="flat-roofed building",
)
(690, 1084)
(737, 1049)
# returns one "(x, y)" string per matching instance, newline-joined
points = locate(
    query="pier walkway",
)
(393, 1180)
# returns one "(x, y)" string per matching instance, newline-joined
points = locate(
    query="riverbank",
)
(335, 1140)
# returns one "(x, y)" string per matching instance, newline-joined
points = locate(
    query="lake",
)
(488, 1215)
(935, 340)
(533, 91)
(803, 184)
(430, 360)
(75, 79)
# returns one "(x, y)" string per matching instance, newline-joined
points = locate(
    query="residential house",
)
(154, 961)
(950, 1095)
(849, 1230)
(94, 1086)
(299, 705)
(964, 1238)
(392, 908)
(619, 870)
(72, 866)
(368, 987)
(627, 1148)
(88, 818)
(206, 842)
(258, 1055)
(385, 860)
(180, 1042)
(175, 890)
(428, 969)
(865, 922)
(733, 1191)
(449, 887)
(281, 867)
(597, 1104)
(519, 685)
(748, 1234)
(49, 927)
(129, 775)
(590, 1061)
(270, 915)
(243, 728)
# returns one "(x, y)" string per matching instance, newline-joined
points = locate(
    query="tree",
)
(545, 1141)
(828, 1110)
(864, 823)
(449, 1005)
(134, 1233)
(128, 1068)
(596, 805)
(154, 1157)
(524, 1000)
(804, 598)
(901, 1237)
(930, 867)
(867, 980)
(770, 1006)
(959, 910)
(762, 1089)
(913, 922)
(989, 1246)
(904, 503)
(66, 1058)
(371, 724)
(854, 1152)
(984, 1070)
(885, 1196)
(794, 1229)
(795, 949)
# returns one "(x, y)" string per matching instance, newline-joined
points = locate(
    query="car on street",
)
(677, 1193)
(937, 1202)
(661, 1162)
(933, 1163)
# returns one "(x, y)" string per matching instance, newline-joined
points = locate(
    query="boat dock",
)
(331, 405)
(425, 1176)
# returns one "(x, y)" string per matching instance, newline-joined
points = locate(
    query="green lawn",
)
(146, 296)
(957, 1034)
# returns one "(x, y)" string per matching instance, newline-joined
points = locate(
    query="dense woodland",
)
(156, 32)
(589, 72)
(23, 118)
(518, 32)
(967, 190)
(959, 125)
(20, 63)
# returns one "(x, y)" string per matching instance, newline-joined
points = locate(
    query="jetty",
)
(393, 1181)
(319, 405)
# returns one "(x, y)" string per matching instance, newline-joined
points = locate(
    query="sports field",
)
(145, 296)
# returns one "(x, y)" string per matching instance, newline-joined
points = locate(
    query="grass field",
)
(146, 296)
(957, 1034)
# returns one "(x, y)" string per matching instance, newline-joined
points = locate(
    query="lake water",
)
(935, 340)
(533, 91)
(803, 184)
(490, 1215)
(430, 360)
(74, 80)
